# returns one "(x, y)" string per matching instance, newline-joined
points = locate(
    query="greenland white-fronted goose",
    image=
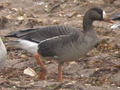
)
(3, 54)
(116, 17)
(63, 43)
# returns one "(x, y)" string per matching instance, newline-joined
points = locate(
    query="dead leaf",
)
(29, 71)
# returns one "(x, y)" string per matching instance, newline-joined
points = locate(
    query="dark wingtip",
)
(10, 36)
(116, 19)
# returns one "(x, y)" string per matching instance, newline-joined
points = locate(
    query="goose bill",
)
(106, 18)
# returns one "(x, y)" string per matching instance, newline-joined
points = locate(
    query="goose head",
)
(94, 14)
(97, 14)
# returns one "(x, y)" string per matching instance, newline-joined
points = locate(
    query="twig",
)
(56, 5)
(58, 86)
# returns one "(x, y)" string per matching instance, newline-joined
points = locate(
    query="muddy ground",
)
(98, 70)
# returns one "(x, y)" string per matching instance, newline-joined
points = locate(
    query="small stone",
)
(96, 69)
(116, 52)
(66, 23)
(79, 15)
(14, 9)
(41, 3)
(23, 56)
(71, 63)
(70, 83)
(55, 21)
(87, 84)
(21, 18)
(9, 17)
(60, 15)
(38, 20)
(82, 75)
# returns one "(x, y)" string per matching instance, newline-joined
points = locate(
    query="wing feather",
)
(39, 34)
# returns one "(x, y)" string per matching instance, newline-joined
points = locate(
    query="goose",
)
(3, 54)
(62, 43)
(116, 17)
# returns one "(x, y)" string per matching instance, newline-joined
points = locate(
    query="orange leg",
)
(44, 70)
(60, 73)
